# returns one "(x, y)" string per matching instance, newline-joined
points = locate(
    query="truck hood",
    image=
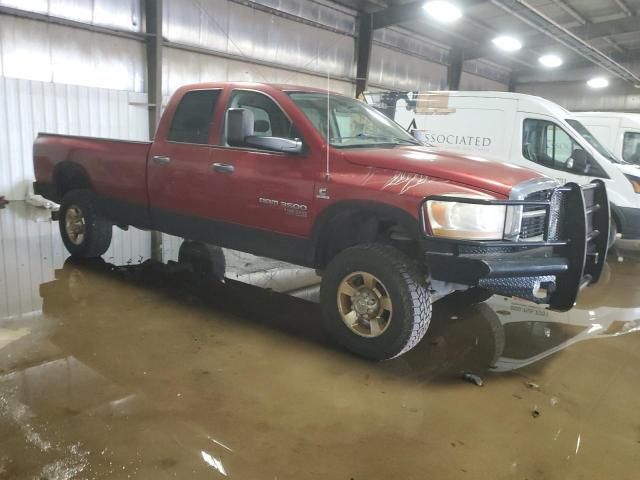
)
(472, 171)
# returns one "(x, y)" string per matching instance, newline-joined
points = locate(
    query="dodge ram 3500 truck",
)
(327, 182)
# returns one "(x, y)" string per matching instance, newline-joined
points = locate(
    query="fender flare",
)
(69, 169)
(321, 233)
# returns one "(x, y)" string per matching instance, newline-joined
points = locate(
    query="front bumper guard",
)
(551, 271)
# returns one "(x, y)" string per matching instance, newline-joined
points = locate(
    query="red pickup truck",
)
(324, 181)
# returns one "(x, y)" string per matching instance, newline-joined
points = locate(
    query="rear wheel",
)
(375, 301)
(85, 233)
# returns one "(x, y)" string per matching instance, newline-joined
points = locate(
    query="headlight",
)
(635, 181)
(466, 221)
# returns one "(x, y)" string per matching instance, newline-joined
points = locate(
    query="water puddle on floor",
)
(114, 369)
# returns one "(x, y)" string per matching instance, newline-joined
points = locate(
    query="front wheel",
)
(85, 233)
(375, 301)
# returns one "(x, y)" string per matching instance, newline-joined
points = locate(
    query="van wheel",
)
(85, 233)
(470, 296)
(375, 301)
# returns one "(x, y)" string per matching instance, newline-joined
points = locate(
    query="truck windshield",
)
(351, 123)
(586, 134)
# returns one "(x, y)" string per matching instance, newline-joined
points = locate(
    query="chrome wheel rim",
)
(364, 304)
(74, 225)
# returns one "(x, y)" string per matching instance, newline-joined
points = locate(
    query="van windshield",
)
(351, 123)
(588, 136)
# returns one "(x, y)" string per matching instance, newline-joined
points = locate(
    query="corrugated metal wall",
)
(393, 70)
(124, 14)
(230, 28)
(28, 107)
(182, 67)
(34, 50)
(469, 81)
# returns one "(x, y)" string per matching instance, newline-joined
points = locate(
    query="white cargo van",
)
(520, 129)
(619, 132)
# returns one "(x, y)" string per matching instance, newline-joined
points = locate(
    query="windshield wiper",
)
(390, 138)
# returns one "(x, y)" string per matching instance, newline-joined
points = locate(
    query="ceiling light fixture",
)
(550, 61)
(507, 43)
(598, 82)
(442, 11)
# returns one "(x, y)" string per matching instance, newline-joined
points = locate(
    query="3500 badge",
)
(290, 208)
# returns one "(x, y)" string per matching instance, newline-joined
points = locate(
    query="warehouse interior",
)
(133, 365)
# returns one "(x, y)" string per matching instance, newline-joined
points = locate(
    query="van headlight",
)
(466, 221)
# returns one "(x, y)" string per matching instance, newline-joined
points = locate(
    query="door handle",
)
(161, 160)
(223, 168)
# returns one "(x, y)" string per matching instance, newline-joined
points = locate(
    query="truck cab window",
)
(192, 121)
(631, 147)
(270, 120)
(547, 144)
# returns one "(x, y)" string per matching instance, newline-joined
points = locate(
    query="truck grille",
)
(534, 218)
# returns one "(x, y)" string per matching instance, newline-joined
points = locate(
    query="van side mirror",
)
(579, 161)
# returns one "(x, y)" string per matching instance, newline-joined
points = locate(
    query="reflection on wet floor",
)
(110, 369)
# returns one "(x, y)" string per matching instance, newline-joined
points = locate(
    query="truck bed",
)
(114, 169)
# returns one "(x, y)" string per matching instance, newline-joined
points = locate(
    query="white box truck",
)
(523, 130)
(619, 132)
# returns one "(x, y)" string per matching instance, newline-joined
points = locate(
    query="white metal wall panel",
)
(231, 28)
(52, 53)
(397, 71)
(469, 81)
(122, 14)
(28, 107)
(180, 67)
(337, 17)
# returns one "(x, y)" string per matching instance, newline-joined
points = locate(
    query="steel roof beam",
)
(536, 19)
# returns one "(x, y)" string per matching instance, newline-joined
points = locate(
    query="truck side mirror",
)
(240, 125)
(276, 144)
(240, 133)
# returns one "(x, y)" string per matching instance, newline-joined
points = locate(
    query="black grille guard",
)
(570, 255)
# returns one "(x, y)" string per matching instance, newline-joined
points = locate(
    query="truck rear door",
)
(178, 172)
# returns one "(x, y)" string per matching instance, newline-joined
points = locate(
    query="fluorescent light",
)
(550, 61)
(507, 43)
(598, 82)
(442, 11)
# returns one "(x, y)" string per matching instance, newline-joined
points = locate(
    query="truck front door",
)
(261, 189)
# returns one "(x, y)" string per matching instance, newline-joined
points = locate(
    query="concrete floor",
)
(150, 372)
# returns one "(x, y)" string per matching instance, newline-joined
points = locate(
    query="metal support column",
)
(363, 52)
(153, 22)
(454, 70)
